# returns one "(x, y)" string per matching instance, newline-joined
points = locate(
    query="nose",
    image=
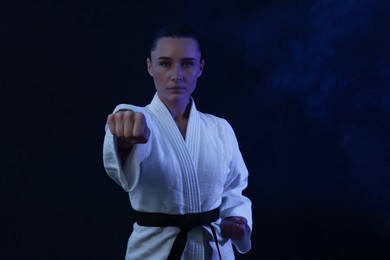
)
(177, 73)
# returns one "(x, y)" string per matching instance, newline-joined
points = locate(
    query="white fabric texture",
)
(173, 175)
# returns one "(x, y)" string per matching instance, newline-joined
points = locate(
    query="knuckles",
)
(233, 227)
(129, 125)
(138, 116)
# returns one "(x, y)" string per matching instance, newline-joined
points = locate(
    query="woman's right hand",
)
(129, 127)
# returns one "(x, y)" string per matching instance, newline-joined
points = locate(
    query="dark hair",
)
(175, 30)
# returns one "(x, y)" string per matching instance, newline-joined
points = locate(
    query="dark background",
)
(305, 85)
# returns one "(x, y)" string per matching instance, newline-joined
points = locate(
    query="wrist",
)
(124, 144)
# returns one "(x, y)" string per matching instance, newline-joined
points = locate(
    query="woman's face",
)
(175, 66)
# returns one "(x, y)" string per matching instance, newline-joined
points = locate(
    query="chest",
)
(175, 166)
(182, 126)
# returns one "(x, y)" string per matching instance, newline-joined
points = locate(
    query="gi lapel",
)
(187, 150)
(193, 134)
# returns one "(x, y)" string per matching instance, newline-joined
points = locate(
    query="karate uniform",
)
(173, 175)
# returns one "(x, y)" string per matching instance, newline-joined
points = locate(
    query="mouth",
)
(176, 88)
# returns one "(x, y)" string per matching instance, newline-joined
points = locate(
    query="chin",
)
(177, 97)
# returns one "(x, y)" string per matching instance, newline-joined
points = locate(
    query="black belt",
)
(185, 222)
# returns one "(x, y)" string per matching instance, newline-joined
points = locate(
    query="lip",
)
(176, 88)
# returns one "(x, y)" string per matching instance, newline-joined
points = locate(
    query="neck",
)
(179, 110)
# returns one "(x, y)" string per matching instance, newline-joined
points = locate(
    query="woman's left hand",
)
(234, 227)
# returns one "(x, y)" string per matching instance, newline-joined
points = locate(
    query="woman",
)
(182, 168)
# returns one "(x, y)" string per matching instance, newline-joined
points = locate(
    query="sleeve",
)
(234, 203)
(128, 175)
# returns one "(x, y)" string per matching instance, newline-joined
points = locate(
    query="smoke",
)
(317, 51)
(322, 88)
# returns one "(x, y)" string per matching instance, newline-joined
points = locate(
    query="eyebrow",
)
(168, 58)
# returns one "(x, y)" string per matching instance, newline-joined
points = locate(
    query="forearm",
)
(123, 153)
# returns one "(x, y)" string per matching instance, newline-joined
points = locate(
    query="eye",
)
(165, 64)
(188, 64)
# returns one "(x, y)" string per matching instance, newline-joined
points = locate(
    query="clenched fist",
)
(234, 227)
(129, 127)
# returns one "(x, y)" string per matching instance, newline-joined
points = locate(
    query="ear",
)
(201, 68)
(149, 66)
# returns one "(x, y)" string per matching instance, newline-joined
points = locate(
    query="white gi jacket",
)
(173, 175)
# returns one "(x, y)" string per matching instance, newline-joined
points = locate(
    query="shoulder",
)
(216, 122)
(212, 118)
